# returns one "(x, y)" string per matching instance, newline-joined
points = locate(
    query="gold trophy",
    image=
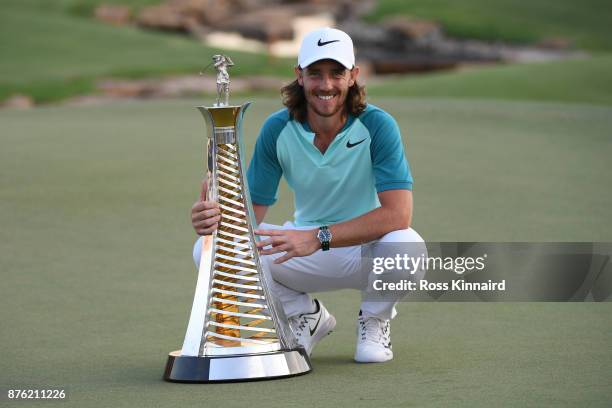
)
(237, 331)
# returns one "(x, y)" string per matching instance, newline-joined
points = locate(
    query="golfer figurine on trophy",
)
(237, 330)
(221, 64)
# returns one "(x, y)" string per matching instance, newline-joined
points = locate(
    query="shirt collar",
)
(306, 126)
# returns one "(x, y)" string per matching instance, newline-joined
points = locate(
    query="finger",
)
(207, 222)
(269, 232)
(207, 231)
(198, 206)
(274, 250)
(204, 205)
(202, 215)
(274, 241)
(264, 243)
(284, 258)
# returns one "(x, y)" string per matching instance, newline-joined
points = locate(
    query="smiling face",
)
(326, 84)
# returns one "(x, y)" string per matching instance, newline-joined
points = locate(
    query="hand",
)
(293, 242)
(205, 215)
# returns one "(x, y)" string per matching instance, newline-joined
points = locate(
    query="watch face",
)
(324, 235)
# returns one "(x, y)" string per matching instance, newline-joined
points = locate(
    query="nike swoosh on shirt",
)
(349, 144)
(322, 43)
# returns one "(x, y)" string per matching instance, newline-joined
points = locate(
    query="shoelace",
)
(373, 329)
(298, 323)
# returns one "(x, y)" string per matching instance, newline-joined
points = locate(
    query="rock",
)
(252, 5)
(113, 14)
(173, 87)
(207, 12)
(258, 24)
(513, 54)
(369, 36)
(162, 17)
(366, 70)
(19, 102)
(349, 10)
(92, 100)
(197, 29)
(128, 89)
(264, 83)
(195, 16)
(419, 32)
(406, 45)
(556, 43)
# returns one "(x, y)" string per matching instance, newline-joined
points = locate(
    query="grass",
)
(587, 80)
(50, 55)
(83, 8)
(586, 23)
(98, 280)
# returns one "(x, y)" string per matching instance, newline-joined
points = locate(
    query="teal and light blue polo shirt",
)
(365, 158)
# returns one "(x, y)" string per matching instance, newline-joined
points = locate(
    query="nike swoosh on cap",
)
(322, 43)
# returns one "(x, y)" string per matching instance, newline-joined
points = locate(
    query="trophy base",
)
(242, 367)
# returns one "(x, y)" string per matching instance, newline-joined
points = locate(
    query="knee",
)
(403, 242)
(405, 235)
(197, 252)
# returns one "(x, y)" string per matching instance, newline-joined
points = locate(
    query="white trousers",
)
(339, 268)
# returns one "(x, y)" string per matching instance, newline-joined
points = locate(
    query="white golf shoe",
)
(310, 328)
(373, 340)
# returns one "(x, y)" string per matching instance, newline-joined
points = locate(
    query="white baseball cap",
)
(327, 43)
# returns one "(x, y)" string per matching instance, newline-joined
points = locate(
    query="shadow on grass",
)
(151, 372)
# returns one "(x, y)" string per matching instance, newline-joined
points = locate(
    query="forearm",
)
(366, 228)
(394, 214)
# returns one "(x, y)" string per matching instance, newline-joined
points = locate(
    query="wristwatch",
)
(325, 236)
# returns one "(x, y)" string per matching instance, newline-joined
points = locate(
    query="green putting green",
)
(98, 280)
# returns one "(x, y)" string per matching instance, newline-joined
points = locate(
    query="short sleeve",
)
(264, 172)
(391, 169)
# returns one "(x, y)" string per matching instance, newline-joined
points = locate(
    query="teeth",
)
(325, 97)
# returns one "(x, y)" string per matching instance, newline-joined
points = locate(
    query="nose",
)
(326, 83)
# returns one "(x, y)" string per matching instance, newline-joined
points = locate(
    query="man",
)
(345, 163)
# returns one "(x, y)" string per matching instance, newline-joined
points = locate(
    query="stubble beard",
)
(339, 107)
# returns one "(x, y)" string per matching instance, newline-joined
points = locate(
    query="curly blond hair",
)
(295, 100)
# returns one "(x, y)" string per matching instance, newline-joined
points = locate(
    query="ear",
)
(354, 74)
(299, 74)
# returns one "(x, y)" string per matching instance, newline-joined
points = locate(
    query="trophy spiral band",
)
(237, 331)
